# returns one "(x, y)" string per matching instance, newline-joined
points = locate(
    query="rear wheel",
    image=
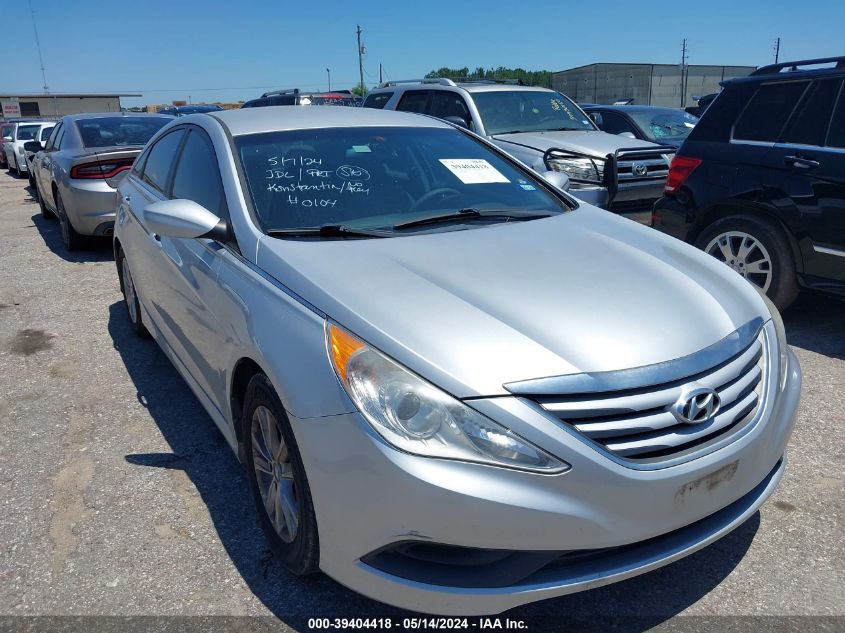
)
(277, 479)
(72, 240)
(130, 297)
(758, 250)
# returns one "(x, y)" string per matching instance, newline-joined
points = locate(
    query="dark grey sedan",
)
(667, 126)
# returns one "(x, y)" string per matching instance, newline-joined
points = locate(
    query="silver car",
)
(455, 389)
(76, 173)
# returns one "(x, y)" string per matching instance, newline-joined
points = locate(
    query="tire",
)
(72, 240)
(264, 422)
(45, 212)
(14, 170)
(130, 297)
(747, 243)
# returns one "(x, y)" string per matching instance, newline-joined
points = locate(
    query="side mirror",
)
(556, 179)
(460, 121)
(627, 134)
(33, 146)
(597, 119)
(184, 218)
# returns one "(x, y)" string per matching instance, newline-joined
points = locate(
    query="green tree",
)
(541, 78)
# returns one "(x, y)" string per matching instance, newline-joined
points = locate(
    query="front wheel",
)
(277, 479)
(758, 250)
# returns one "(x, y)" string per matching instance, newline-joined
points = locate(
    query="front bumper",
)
(90, 205)
(368, 496)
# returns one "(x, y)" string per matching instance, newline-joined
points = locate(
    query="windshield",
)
(328, 99)
(119, 130)
(664, 125)
(377, 177)
(27, 132)
(184, 110)
(505, 112)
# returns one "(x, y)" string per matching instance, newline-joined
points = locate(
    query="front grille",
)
(638, 424)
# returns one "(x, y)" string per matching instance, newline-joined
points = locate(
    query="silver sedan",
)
(76, 173)
(455, 389)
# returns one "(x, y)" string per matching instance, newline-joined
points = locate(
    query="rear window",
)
(327, 100)
(45, 132)
(28, 132)
(378, 100)
(767, 112)
(110, 131)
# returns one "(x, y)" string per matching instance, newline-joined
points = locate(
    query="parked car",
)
(438, 403)
(189, 109)
(293, 96)
(7, 131)
(760, 181)
(665, 126)
(703, 103)
(77, 171)
(23, 132)
(546, 131)
(43, 135)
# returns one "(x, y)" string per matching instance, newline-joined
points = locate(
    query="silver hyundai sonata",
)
(455, 388)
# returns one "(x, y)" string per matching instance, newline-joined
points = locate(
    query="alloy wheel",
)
(745, 254)
(274, 473)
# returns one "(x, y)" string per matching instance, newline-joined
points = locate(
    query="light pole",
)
(329, 73)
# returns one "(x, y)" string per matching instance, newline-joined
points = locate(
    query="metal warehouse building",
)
(54, 105)
(646, 84)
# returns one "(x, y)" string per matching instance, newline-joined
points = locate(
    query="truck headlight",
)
(416, 417)
(579, 169)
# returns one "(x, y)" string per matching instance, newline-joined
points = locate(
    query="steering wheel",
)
(446, 192)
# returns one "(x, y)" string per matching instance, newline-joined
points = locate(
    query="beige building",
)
(55, 105)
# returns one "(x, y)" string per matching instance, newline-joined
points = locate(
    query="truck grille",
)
(633, 166)
(638, 424)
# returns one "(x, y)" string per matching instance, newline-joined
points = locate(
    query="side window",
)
(414, 101)
(45, 133)
(378, 100)
(615, 123)
(445, 104)
(197, 175)
(810, 121)
(767, 112)
(160, 159)
(60, 137)
(51, 142)
(836, 135)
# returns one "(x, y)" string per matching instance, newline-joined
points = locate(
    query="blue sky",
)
(236, 49)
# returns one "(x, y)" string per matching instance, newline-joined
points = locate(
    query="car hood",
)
(595, 143)
(471, 310)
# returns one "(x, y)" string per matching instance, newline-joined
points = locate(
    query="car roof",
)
(99, 115)
(629, 108)
(287, 118)
(469, 86)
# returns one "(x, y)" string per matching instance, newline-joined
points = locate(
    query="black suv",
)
(293, 96)
(760, 181)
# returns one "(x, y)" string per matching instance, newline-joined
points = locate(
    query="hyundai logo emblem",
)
(639, 169)
(697, 404)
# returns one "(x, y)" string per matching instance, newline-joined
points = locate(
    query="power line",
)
(38, 46)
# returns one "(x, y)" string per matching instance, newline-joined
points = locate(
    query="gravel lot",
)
(119, 497)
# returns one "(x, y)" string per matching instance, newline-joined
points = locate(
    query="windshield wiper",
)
(471, 214)
(326, 230)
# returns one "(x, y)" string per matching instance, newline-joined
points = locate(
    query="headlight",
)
(783, 346)
(579, 169)
(415, 416)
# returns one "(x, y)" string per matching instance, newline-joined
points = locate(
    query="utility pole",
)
(683, 73)
(329, 73)
(38, 46)
(360, 58)
(777, 49)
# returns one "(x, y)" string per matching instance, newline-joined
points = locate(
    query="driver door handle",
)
(801, 162)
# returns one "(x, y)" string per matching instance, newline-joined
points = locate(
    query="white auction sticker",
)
(473, 171)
